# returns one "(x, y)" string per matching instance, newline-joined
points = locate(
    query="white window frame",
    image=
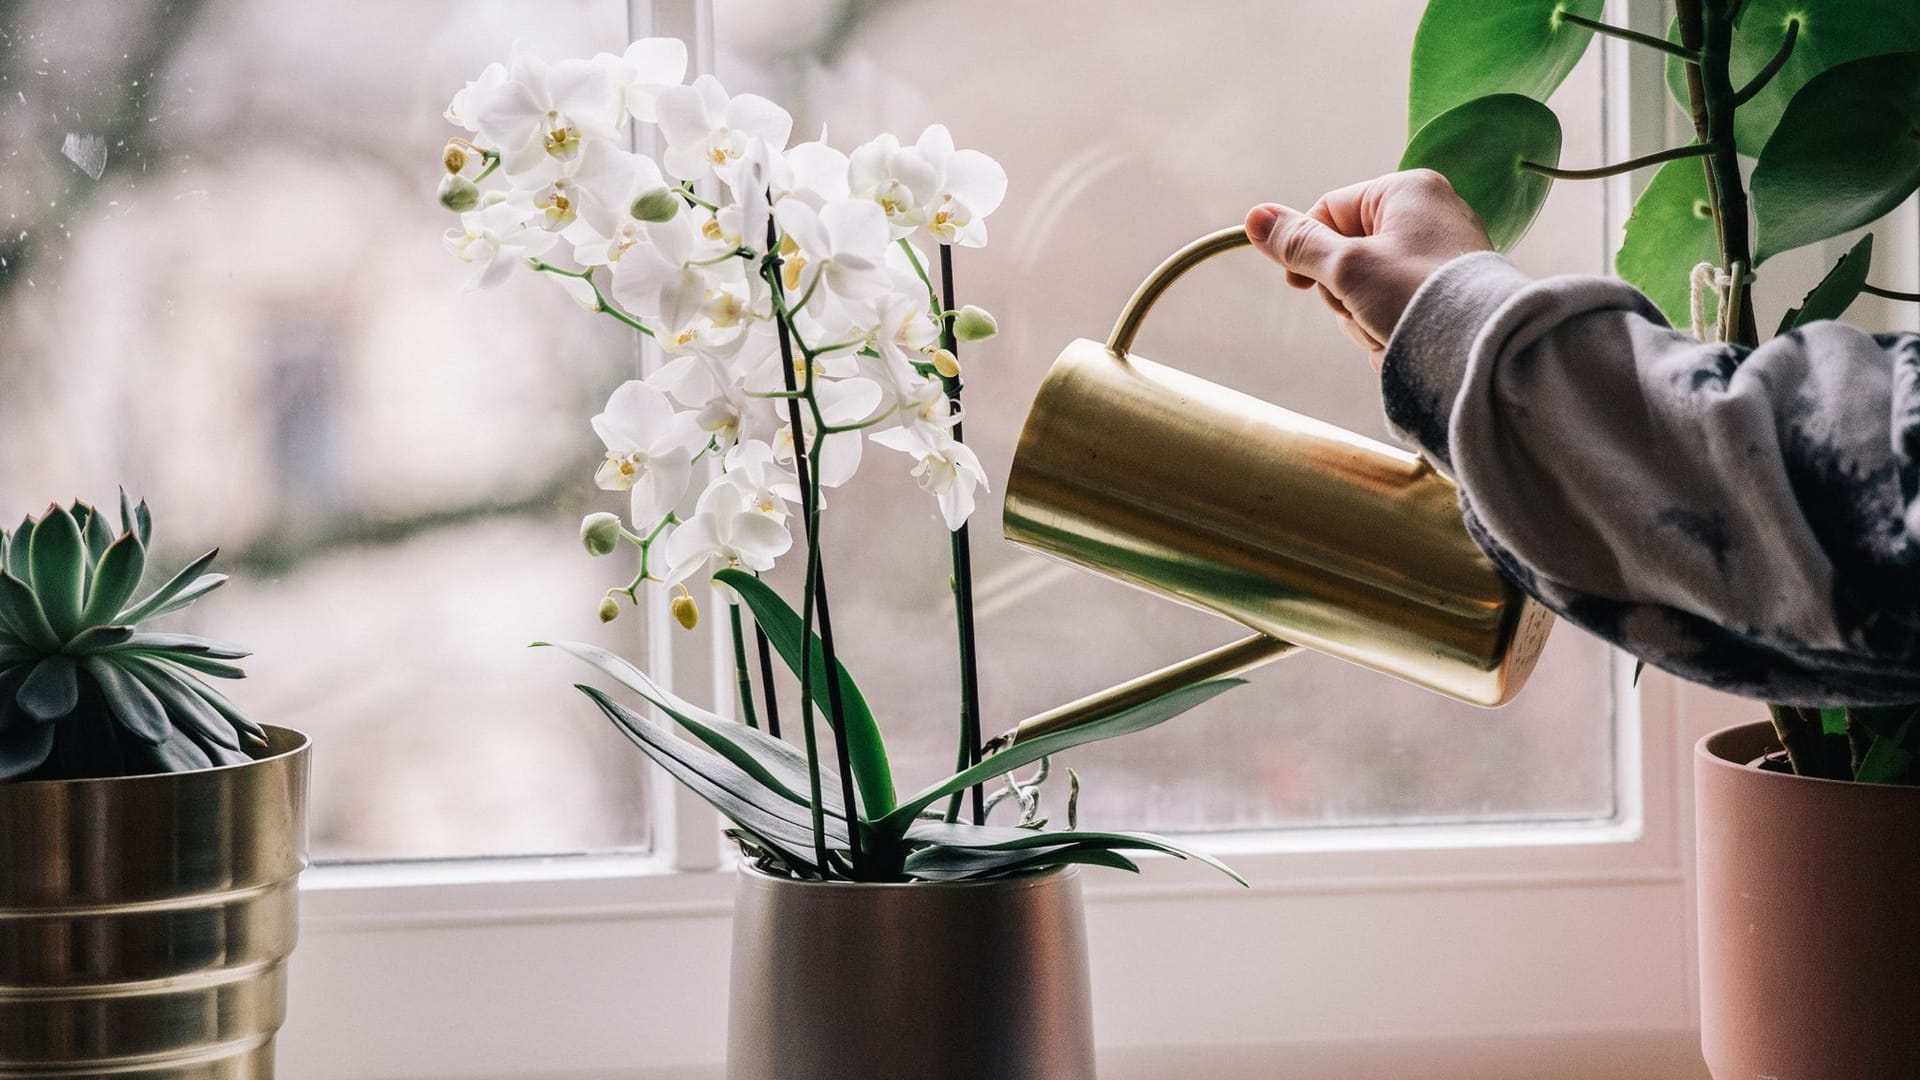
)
(1381, 938)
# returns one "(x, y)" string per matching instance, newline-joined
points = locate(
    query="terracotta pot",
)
(966, 981)
(1809, 957)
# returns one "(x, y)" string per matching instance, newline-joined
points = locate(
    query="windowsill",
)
(1635, 1055)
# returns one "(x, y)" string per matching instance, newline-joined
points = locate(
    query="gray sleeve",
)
(1744, 518)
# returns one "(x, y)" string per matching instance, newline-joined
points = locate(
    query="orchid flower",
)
(946, 467)
(728, 530)
(971, 187)
(707, 132)
(650, 450)
(494, 238)
(900, 179)
(840, 250)
(544, 114)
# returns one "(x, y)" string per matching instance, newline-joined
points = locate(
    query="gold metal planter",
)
(145, 921)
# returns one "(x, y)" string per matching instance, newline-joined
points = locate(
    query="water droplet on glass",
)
(89, 152)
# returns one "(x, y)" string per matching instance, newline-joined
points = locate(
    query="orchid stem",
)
(740, 665)
(766, 681)
(969, 751)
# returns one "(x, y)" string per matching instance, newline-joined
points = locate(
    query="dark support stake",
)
(766, 682)
(969, 752)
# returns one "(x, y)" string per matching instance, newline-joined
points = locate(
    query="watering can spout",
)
(1313, 536)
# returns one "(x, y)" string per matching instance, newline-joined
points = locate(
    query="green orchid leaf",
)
(58, 557)
(20, 611)
(51, 690)
(866, 749)
(1887, 759)
(1833, 721)
(1671, 231)
(1835, 293)
(775, 764)
(1844, 154)
(137, 707)
(1468, 49)
(24, 748)
(1479, 147)
(730, 789)
(990, 838)
(188, 579)
(123, 562)
(1139, 718)
(963, 864)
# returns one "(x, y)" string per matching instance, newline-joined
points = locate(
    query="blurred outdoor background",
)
(222, 285)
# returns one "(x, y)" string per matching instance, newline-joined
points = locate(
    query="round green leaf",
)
(1832, 32)
(1671, 231)
(1847, 151)
(1479, 146)
(1467, 49)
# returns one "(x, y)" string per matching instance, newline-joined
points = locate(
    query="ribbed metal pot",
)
(962, 981)
(145, 921)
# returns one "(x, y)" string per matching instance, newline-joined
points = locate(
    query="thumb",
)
(1306, 247)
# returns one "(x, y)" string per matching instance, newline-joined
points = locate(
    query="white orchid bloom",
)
(812, 172)
(842, 402)
(545, 114)
(948, 468)
(839, 251)
(467, 102)
(707, 132)
(650, 67)
(650, 450)
(728, 530)
(493, 239)
(971, 187)
(904, 334)
(768, 487)
(605, 183)
(658, 279)
(900, 179)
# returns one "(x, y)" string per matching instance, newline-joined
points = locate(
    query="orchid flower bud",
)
(656, 206)
(455, 159)
(947, 364)
(974, 324)
(458, 194)
(600, 533)
(685, 611)
(609, 609)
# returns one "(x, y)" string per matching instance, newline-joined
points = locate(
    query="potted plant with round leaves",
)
(877, 932)
(153, 834)
(1805, 114)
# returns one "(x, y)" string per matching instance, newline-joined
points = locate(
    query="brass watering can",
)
(1305, 532)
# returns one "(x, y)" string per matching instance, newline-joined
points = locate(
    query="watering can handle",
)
(1224, 662)
(1134, 314)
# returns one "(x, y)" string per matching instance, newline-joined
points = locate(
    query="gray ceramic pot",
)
(968, 981)
(1809, 963)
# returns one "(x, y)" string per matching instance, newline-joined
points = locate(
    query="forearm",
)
(1747, 520)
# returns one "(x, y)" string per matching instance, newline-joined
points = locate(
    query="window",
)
(245, 315)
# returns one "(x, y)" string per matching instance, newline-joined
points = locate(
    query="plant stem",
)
(1891, 294)
(969, 752)
(1765, 75)
(740, 665)
(1656, 158)
(766, 681)
(1691, 56)
(806, 464)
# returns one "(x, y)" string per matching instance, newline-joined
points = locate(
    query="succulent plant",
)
(85, 691)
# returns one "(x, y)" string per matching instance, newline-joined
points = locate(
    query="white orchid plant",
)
(796, 317)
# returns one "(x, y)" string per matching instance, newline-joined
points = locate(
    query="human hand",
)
(1368, 247)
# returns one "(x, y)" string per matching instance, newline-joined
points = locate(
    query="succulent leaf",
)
(97, 639)
(180, 643)
(133, 704)
(98, 531)
(16, 561)
(20, 610)
(118, 575)
(150, 608)
(51, 689)
(190, 712)
(58, 557)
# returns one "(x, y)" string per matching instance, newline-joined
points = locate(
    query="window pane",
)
(222, 285)
(1126, 130)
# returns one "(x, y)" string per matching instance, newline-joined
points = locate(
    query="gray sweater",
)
(1745, 518)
